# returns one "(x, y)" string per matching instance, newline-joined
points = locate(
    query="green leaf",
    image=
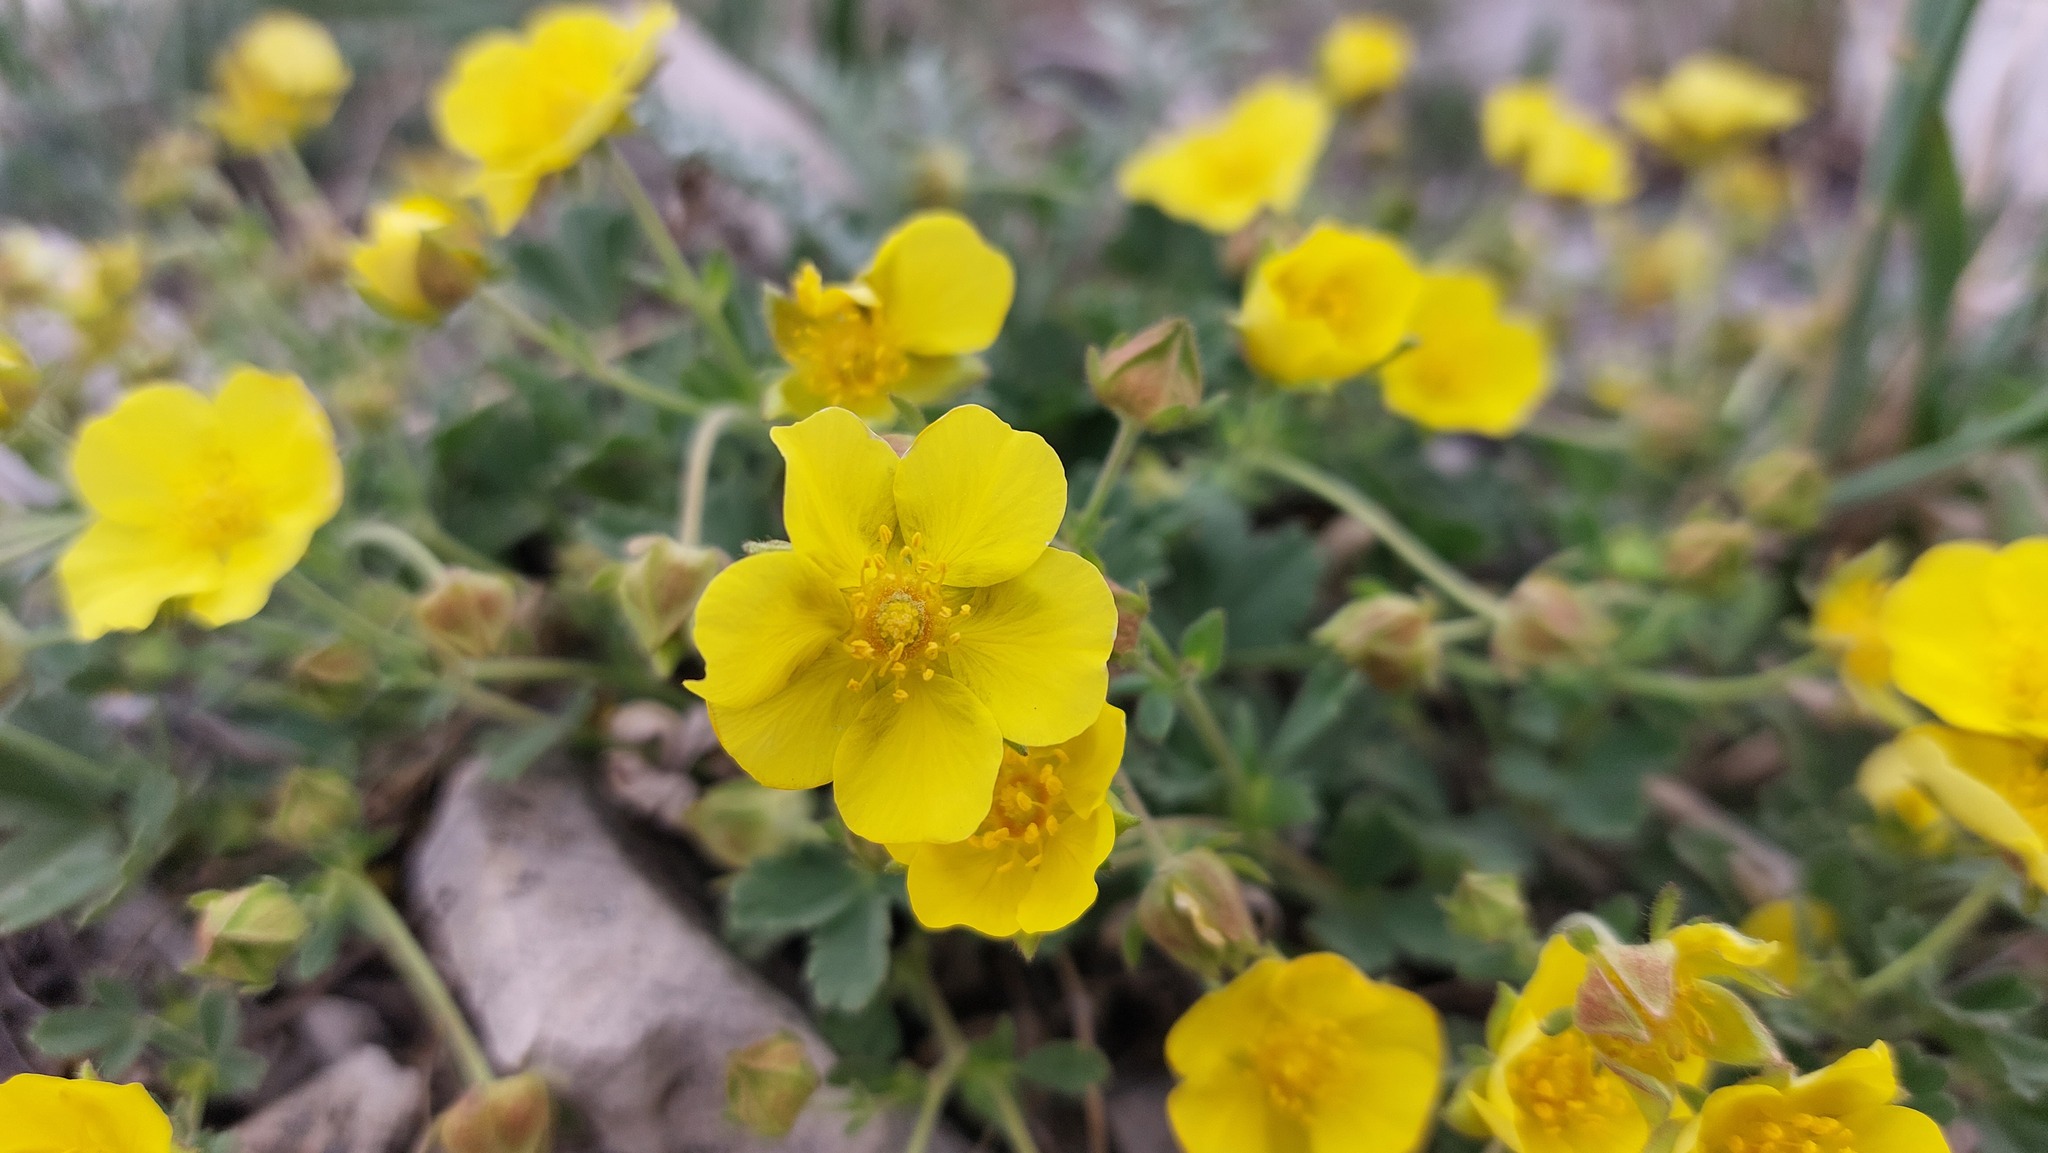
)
(1156, 713)
(850, 954)
(23, 535)
(797, 891)
(1321, 701)
(1934, 203)
(113, 1037)
(1202, 644)
(1065, 1067)
(50, 866)
(508, 755)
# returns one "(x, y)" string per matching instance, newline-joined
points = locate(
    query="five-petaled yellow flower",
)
(1968, 631)
(1711, 105)
(280, 79)
(421, 258)
(525, 107)
(1557, 148)
(1848, 1107)
(205, 502)
(1996, 787)
(1030, 867)
(1304, 1056)
(53, 1115)
(1329, 308)
(1473, 368)
(1364, 56)
(917, 622)
(1220, 173)
(935, 294)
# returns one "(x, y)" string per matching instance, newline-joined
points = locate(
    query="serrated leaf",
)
(1065, 1067)
(797, 891)
(1321, 701)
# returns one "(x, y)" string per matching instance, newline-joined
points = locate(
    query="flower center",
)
(1782, 1130)
(1300, 1061)
(841, 345)
(221, 513)
(1560, 1086)
(901, 621)
(1336, 299)
(1030, 802)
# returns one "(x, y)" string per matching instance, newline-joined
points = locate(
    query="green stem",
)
(499, 706)
(402, 545)
(1931, 460)
(382, 923)
(529, 669)
(1367, 511)
(1155, 841)
(75, 767)
(1715, 690)
(1188, 695)
(349, 621)
(685, 287)
(583, 360)
(1940, 939)
(1011, 1117)
(938, 1084)
(697, 470)
(1128, 433)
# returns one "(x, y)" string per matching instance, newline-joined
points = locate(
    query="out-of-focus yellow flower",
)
(422, 258)
(526, 107)
(1512, 118)
(177, 167)
(34, 266)
(51, 1113)
(1968, 631)
(1844, 1108)
(99, 297)
(1995, 787)
(1886, 780)
(1473, 369)
(207, 502)
(1221, 172)
(280, 78)
(1800, 927)
(1030, 867)
(1553, 1094)
(1558, 149)
(918, 622)
(1304, 1054)
(1329, 308)
(1848, 625)
(1681, 261)
(1711, 105)
(1364, 56)
(1749, 192)
(935, 294)
(20, 381)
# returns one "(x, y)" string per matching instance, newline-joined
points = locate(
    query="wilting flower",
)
(935, 294)
(1221, 172)
(1473, 368)
(1658, 1013)
(1968, 631)
(50, 1113)
(279, 79)
(1711, 105)
(1887, 780)
(1558, 149)
(1329, 308)
(1848, 1106)
(421, 259)
(1364, 56)
(526, 107)
(206, 502)
(1799, 926)
(918, 622)
(1304, 1054)
(1030, 867)
(1995, 787)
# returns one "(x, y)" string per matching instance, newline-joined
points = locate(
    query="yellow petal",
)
(506, 196)
(115, 577)
(1226, 1111)
(1977, 779)
(1036, 648)
(919, 770)
(45, 1114)
(283, 447)
(1560, 970)
(1709, 950)
(247, 572)
(943, 290)
(1329, 308)
(840, 491)
(140, 461)
(1093, 759)
(1063, 886)
(2017, 584)
(762, 619)
(1391, 1097)
(1940, 626)
(933, 379)
(1220, 173)
(962, 884)
(985, 498)
(787, 740)
(1860, 1080)
(1896, 1129)
(1203, 1040)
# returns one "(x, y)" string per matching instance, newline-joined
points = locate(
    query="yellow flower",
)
(1220, 172)
(100, 294)
(1749, 192)
(1993, 786)
(524, 108)
(1472, 369)
(917, 623)
(1546, 1094)
(1559, 150)
(1844, 1108)
(1329, 308)
(1886, 780)
(1030, 867)
(50, 1114)
(1968, 631)
(1303, 1055)
(1658, 1013)
(1800, 927)
(935, 294)
(279, 79)
(1513, 116)
(1847, 624)
(1364, 56)
(421, 259)
(1711, 105)
(204, 501)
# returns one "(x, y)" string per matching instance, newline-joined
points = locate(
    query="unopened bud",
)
(313, 807)
(658, 587)
(510, 1115)
(1132, 608)
(1708, 555)
(245, 935)
(938, 175)
(1786, 489)
(1194, 909)
(1390, 638)
(467, 613)
(768, 1083)
(1153, 378)
(1488, 907)
(20, 381)
(1545, 622)
(738, 822)
(423, 257)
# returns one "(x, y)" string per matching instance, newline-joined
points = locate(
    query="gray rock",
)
(364, 1103)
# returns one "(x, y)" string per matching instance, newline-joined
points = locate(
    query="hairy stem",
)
(697, 470)
(1940, 939)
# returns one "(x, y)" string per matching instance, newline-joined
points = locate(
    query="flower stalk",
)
(682, 283)
(697, 470)
(1089, 521)
(1939, 940)
(573, 352)
(381, 922)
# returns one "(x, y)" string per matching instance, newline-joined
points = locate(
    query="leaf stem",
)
(402, 545)
(697, 470)
(938, 1085)
(78, 768)
(1128, 433)
(586, 362)
(1940, 939)
(1714, 690)
(1188, 695)
(381, 922)
(1931, 460)
(684, 286)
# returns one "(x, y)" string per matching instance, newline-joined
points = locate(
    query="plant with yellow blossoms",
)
(1364, 56)
(1711, 105)
(280, 78)
(1967, 627)
(1333, 306)
(1473, 367)
(201, 502)
(1220, 173)
(423, 256)
(916, 623)
(52, 1114)
(524, 107)
(1557, 148)
(907, 328)
(1849, 1107)
(1304, 1055)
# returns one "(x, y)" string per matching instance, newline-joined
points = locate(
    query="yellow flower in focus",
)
(935, 294)
(1329, 308)
(1364, 56)
(56, 1115)
(279, 79)
(526, 107)
(1993, 786)
(1886, 780)
(1301, 1055)
(421, 259)
(1711, 105)
(1844, 1108)
(1030, 867)
(207, 502)
(1221, 172)
(1968, 631)
(1800, 927)
(918, 622)
(1472, 369)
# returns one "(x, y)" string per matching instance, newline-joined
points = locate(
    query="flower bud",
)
(313, 807)
(20, 381)
(768, 1083)
(1708, 555)
(245, 935)
(422, 258)
(1152, 378)
(1194, 910)
(659, 584)
(938, 175)
(1132, 607)
(1546, 621)
(510, 1115)
(738, 822)
(1786, 489)
(467, 613)
(1488, 907)
(1390, 638)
